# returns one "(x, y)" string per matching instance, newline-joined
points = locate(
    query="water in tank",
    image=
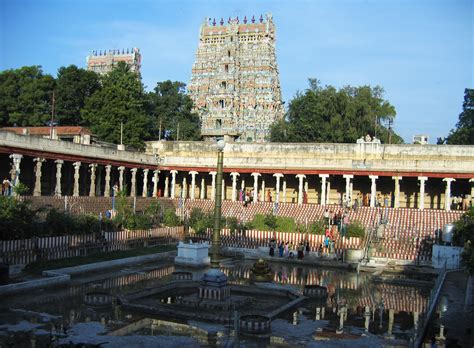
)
(448, 231)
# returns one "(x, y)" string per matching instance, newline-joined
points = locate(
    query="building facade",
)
(104, 62)
(235, 81)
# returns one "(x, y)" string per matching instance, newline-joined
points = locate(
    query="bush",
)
(285, 224)
(17, 219)
(233, 225)
(464, 236)
(317, 227)
(356, 229)
(170, 218)
(200, 221)
(155, 212)
(21, 189)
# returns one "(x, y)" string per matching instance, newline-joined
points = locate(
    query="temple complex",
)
(103, 62)
(234, 85)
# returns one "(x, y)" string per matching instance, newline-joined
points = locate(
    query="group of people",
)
(246, 196)
(289, 250)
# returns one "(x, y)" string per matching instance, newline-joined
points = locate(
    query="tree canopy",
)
(25, 96)
(325, 114)
(120, 101)
(73, 87)
(170, 109)
(463, 134)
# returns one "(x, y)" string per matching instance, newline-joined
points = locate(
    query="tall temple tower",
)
(104, 62)
(234, 84)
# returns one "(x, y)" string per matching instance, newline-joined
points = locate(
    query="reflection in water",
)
(352, 301)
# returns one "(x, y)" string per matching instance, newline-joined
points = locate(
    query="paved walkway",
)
(458, 319)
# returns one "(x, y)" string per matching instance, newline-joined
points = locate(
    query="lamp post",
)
(216, 237)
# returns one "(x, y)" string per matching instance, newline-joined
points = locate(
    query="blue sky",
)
(419, 51)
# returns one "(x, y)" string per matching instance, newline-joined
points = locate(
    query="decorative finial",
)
(222, 21)
(237, 19)
(253, 19)
(261, 19)
(245, 20)
(214, 22)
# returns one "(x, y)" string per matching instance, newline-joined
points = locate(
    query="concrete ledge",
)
(92, 267)
(54, 280)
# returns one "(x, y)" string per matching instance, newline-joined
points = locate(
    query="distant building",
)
(235, 84)
(104, 62)
(74, 134)
(420, 139)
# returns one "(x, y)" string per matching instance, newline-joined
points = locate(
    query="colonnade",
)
(280, 188)
(92, 167)
(260, 186)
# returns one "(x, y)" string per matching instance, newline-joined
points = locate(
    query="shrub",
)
(200, 221)
(285, 224)
(170, 218)
(21, 189)
(356, 229)
(17, 219)
(317, 227)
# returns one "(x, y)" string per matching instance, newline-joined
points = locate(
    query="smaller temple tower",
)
(103, 62)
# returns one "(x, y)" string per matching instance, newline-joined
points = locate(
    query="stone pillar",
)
(323, 187)
(421, 199)
(472, 187)
(108, 169)
(184, 187)
(155, 180)
(202, 194)
(167, 187)
(348, 187)
(173, 183)
(373, 190)
(213, 186)
(92, 168)
(396, 198)
(121, 170)
(15, 171)
(133, 188)
(255, 186)
(328, 192)
(447, 193)
(300, 177)
(277, 186)
(234, 176)
(242, 185)
(39, 162)
(57, 188)
(145, 183)
(284, 190)
(192, 194)
(262, 191)
(77, 166)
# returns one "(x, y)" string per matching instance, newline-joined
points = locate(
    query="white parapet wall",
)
(450, 255)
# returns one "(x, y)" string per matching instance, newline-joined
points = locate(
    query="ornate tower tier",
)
(234, 84)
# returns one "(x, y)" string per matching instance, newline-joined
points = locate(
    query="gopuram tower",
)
(234, 84)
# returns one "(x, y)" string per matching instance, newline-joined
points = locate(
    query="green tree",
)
(121, 100)
(73, 87)
(25, 96)
(336, 116)
(464, 236)
(200, 221)
(171, 108)
(464, 132)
